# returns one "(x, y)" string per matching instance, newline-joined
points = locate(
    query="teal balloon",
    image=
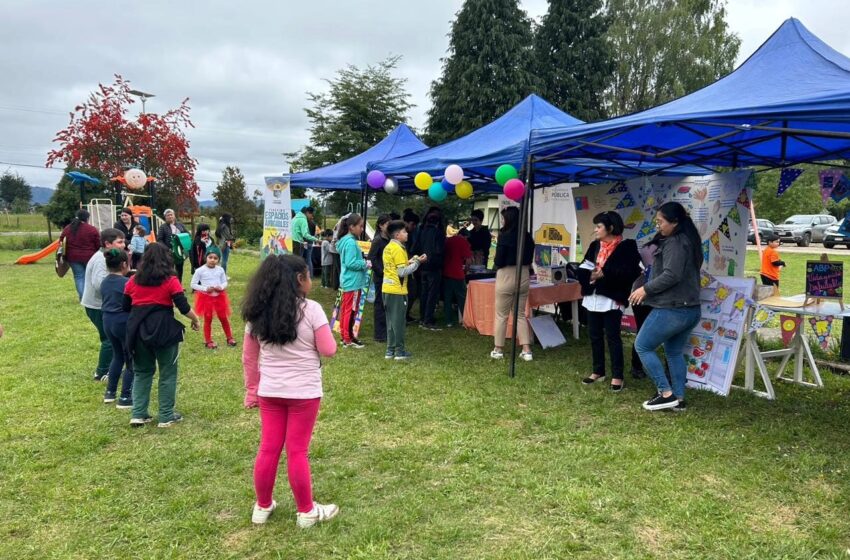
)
(437, 193)
(505, 173)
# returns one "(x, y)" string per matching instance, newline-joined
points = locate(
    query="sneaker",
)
(321, 512)
(429, 327)
(231, 342)
(449, 325)
(358, 345)
(403, 355)
(496, 354)
(261, 515)
(139, 422)
(526, 356)
(681, 406)
(174, 419)
(661, 403)
(389, 355)
(211, 345)
(109, 397)
(100, 377)
(124, 403)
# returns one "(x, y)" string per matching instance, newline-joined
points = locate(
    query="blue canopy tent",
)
(506, 140)
(787, 103)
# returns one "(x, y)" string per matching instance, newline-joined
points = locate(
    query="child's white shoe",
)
(320, 512)
(261, 515)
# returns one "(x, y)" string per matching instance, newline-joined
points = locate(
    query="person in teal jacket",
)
(353, 277)
(301, 231)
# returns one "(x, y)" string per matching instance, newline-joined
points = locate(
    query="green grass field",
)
(25, 222)
(441, 457)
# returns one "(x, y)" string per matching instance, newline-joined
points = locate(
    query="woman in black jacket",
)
(126, 224)
(611, 265)
(507, 269)
(198, 253)
(376, 257)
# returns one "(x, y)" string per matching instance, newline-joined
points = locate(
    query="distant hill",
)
(207, 203)
(41, 195)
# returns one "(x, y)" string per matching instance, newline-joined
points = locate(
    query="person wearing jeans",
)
(673, 293)
(610, 268)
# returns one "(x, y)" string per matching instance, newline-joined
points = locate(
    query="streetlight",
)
(143, 96)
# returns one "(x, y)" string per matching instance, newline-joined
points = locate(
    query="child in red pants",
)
(352, 278)
(210, 285)
(286, 335)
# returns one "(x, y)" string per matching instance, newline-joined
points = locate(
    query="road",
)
(813, 249)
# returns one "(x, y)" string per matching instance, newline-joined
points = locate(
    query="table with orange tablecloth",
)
(480, 310)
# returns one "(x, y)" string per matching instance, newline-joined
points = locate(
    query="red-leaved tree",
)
(102, 136)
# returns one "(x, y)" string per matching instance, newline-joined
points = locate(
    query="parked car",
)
(834, 236)
(802, 229)
(766, 227)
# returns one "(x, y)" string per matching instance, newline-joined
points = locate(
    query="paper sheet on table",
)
(778, 301)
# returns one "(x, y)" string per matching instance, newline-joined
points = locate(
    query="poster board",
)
(554, 224)
(277, 217)
(719, 205)
(825, 279)
(711, 352)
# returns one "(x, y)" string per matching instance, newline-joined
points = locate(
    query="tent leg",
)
(365, 204)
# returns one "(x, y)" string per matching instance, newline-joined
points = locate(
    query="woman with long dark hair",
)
(611, 265)
(154, 335)
(202, 242)
(376, 257)
(126, 224)
(673, 294)
(81, 241)
(224, 236)
(352, 278)
(286, 335)
(507, 269)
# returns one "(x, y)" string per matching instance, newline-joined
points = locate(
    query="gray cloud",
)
(246, 68)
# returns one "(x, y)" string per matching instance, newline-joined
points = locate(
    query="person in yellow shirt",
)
(397, 267)
(770, 262)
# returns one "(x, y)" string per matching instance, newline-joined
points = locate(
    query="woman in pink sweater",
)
(285, 336)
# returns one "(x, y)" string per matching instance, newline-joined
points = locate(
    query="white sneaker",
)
(321, 512)
(525, 356)
(497, 354)
(261, 515)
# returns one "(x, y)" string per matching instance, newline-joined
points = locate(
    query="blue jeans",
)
(225, 254)
(79, 271)
(670, 328)
(115, 326)
(308, 256)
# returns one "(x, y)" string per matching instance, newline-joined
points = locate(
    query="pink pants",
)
(285, 422)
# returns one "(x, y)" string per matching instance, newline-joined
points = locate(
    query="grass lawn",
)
(25, 222)
(442, 457)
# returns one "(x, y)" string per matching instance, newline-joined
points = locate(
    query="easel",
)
(753, 359)
(817, 300)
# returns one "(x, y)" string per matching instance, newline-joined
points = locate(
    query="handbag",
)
(62, 265)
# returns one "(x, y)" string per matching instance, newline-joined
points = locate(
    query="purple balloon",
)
(376, 179)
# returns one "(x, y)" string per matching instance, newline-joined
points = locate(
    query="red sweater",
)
(81, 245)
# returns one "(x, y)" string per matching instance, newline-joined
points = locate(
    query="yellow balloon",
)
(463, 189)
(423, 181)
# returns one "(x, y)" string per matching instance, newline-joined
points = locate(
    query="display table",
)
(480, 310)
(799, 348)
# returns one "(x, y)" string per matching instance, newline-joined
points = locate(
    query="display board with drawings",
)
(711, 352)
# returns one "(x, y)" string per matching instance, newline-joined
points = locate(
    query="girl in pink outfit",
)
(285, 336)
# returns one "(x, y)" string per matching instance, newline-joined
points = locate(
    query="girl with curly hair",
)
(285, 336)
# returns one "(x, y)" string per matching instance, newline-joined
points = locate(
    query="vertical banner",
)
(277, 217)
(554, 222)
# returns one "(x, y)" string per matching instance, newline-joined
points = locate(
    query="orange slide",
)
(49, 250)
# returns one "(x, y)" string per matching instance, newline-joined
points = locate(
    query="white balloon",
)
(391, 185)
(136, 178)
(454, 174)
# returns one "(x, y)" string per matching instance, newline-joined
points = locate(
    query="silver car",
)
(834, 236)
(802, 229)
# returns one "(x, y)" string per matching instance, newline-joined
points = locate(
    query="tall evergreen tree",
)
(666, 49)
(487, 71)
(572, 57)
(231, 194)
(13, 188)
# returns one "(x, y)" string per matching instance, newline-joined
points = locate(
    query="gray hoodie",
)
(674, 280)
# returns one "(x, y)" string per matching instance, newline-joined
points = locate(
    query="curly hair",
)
(156, 265)
(273, 302)
(114, 258)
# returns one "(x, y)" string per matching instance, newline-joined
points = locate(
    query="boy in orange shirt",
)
(770, 262)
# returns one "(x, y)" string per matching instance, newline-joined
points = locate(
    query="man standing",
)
(301, 238)
(96, 271)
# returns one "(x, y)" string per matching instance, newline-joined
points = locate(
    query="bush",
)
(251, 232)
(24, 242)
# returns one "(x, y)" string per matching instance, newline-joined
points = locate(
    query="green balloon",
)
(505, 173)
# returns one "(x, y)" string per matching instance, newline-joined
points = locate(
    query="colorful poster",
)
(711, 352)
(277, 217)
(716, 203)
(554, 223)
(789, 324)
(822, 327)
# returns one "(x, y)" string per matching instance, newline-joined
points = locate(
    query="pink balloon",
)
(515, 189)
(453, 174)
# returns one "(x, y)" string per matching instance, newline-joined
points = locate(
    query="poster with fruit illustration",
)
(711, 351)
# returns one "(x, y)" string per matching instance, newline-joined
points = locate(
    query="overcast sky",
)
(247, 67)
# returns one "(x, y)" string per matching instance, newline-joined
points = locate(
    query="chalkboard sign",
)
(824, 279)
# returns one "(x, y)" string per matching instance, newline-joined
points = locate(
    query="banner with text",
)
(554, 222)
(277, 217)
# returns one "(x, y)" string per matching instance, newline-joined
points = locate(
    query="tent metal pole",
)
(792, 131)
(520, 249)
